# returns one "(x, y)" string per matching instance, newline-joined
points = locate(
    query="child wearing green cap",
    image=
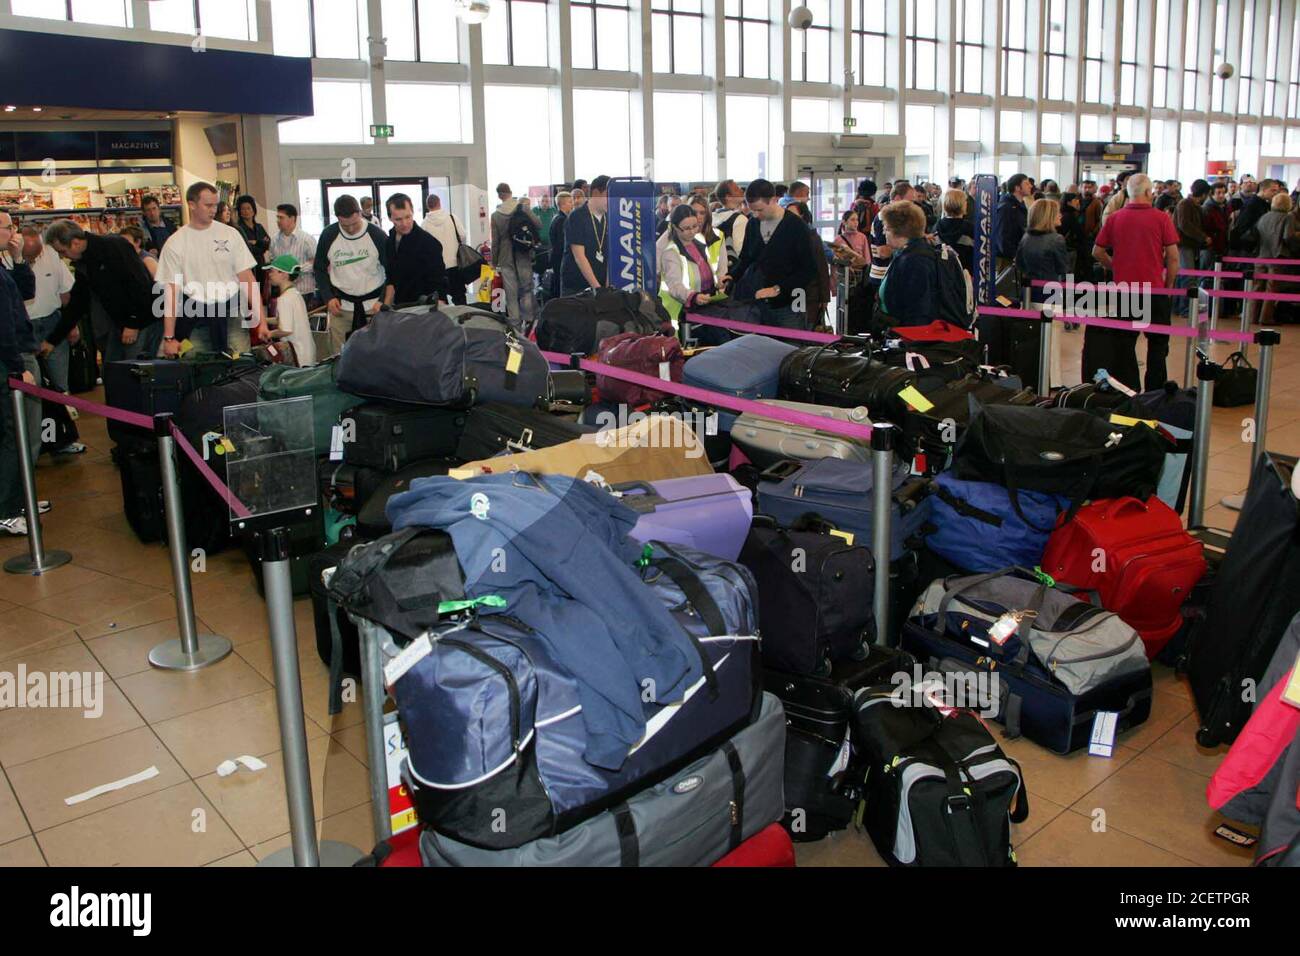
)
(291, 309)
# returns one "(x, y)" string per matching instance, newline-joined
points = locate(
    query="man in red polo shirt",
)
(1138, 244)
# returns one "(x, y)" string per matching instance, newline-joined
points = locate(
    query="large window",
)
(415, 30)
(1094, 50)
(1270, 75)
(1293, 85)
(810, 53)
(1128, 56)
(1247, 57)
(1051, 126)
(331, 28)
(809, 115)
(520, 153)
(600, 34)
(918, 162)
(1054, 52)
(514, 34)
(1015, 55)
(677, 28)
(342, 115)
(1160, 70)
(111, 13)
(680, 137)
(229, 19)
(748, 140)
(869, 42)
(602, 133)
(966, 124)
(748, 29)
(1218, 85)
(922, 44)
(1191, 55)
(970, 46)
(427, 113)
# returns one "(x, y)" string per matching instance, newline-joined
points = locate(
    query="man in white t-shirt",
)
(208, 286)
(351, 269)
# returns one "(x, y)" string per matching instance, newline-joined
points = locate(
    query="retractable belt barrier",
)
(1255, 260)
(1049, 314)
(801, 335)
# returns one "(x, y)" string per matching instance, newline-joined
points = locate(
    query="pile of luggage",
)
(625, 627)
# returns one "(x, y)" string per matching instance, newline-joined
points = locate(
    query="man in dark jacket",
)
(776, 264)
(555, 239)
(415, 266)
(1192, 238)
(109, 269)
(1009, 218)
(157, 230)
(17, 345)
(1243, 239)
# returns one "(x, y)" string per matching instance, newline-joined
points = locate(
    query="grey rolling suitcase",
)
(691, 818)
(765, 441)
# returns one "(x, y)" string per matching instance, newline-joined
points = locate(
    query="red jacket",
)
(1215, 223)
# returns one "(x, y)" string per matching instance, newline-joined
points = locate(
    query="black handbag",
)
(1236, 382)
(83, 368)
(469, 261)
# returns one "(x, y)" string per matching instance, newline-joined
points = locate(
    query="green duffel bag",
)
(209, 367)
(318, 381)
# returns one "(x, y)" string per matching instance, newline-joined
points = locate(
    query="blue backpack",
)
(979, 528)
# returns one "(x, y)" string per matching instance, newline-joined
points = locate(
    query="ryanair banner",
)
(631, 252)
(986, 195)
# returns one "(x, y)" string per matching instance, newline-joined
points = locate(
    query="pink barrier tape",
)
(1277, 276)
(106, 411)
(729, 402)
(803, 335)
(1210, 274)
(1109, 287)
(1258, 296)
(236, 506)
(1180, 331)
(1263, 262)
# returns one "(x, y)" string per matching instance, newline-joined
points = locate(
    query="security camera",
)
(1225, 71)
(801, 18)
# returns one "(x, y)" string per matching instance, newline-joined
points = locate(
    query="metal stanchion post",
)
(1248, 274)
(1216, 303)
(304, 851)
(1206, 372)
(190, 650)
(372, 667)
(1045, 352)
(1266, 339)
(1194, 323)
(37, 560)
(882, 467)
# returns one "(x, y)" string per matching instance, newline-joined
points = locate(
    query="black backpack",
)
(955, 298)
(523, 233)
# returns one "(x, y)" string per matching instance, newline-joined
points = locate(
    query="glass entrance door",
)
(379, 190)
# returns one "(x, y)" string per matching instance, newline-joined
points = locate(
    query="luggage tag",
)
(213, 444)
(665, 371)
(336, 443)
(514, 357)
(842, 758)
(915, 399)
(1292, 693)
(412, 654)
(1003, 301)
(1102, 741)
(846, 535)
(1006, 625)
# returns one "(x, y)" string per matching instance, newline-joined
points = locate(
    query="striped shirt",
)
(303, 248)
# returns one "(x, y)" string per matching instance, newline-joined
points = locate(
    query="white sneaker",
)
(15, 526)
(71, 448)
(42, 506)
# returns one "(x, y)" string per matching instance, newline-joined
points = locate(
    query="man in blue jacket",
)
(1010, 217)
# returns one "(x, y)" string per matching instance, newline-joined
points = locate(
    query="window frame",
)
(1007, 49)
(803, 50)
(672, 13)
(912, 42)
(860, 33)
(962, 44)
(1050, 55)
(1095, 57)
(622, 6)
(509, 6)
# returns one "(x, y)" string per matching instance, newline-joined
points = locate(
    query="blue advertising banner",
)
(631, 252)
(986, 195)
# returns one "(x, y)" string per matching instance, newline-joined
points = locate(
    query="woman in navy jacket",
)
(907, 294)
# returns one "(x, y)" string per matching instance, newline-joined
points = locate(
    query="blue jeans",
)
(783, 317)
(1187, 259)
(145, 345)
(57, 361)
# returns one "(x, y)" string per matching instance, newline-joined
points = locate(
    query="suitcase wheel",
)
(1206, 738)
(823, 667)
(861, 652)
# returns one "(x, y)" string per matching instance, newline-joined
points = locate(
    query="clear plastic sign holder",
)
(270, 458)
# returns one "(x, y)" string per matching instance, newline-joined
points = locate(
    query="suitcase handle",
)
(1119, 505)
(781, 470)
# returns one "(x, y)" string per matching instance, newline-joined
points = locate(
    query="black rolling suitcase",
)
(372, 518)
(823, 777)
(1255, 595)
(845, 376)
(493, 428)
(142, 500)
(145, 386)
(390, 436)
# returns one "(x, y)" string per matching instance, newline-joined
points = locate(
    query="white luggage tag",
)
(1006, 625)
(1102, 741)
(336, 443)
(411, 655)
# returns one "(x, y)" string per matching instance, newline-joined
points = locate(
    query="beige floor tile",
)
(848, 847)
(242, 858)
(29, 588)
(12, 823)
(352, 827)
(1179, 747)
(126, 650)
(43, 784)
(1166, 680)
(204, 738)
(72, 656)
(1184, 824)
(23, 630)
(155, 830)
(95, 600)
(22, 852)
(159, 607)
(161, 694)
(254, 802)
(30, 733)
(315, 701)
(310, 666)
(1070, 841)
(242, 622)
(1041, 812)
(1062, 780)
(353, 740)
(1166, 711)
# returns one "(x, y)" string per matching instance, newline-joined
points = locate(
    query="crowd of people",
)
(223, 280)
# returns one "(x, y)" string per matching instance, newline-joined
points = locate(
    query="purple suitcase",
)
(710, 513)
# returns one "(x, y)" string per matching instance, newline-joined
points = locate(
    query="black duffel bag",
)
(428, 358)
(1061, 451)
(577, 323)
(1235, 384)
(843, 376)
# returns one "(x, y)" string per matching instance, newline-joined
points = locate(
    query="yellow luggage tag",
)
(915, 399)
(846, 535)
(1130, 422)
(1292, 693)
(514, 357)
(227, 446)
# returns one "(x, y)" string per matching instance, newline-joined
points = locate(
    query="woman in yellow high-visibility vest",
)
(691, 271)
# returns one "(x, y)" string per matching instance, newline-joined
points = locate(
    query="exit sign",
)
(850, 122)
(381, 131)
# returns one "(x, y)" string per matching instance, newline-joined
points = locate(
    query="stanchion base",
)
(332, 853)
(23, 563)
(1233, 501)
(170, 656)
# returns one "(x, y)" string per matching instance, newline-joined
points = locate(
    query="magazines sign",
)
(631, 243)
(986, 190)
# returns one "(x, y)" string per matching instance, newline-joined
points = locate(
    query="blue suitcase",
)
(747, 367)
(978, 527)
(840, 494)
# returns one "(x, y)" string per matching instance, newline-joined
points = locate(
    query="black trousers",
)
(1116, 351)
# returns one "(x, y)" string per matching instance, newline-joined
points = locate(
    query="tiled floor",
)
(1146, 806)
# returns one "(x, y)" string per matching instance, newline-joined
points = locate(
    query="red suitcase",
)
(768, 847)
(1136, 556)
